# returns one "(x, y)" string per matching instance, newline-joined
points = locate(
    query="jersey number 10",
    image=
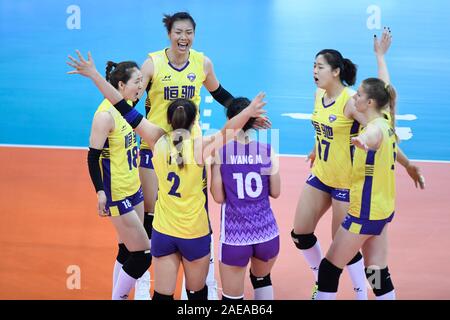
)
(246, 185)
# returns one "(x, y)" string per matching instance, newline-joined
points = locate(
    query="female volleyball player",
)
(372, 195)
(112, 161)
(243, 177)
(181, 231)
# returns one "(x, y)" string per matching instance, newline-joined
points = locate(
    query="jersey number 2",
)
(176, 183)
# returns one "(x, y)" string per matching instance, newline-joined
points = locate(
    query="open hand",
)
(414, 173)
(381, 46)
(256, 106)
(81, 66)
(359, 143)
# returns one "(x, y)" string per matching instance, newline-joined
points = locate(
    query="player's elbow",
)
(275, 192)
(217, 195)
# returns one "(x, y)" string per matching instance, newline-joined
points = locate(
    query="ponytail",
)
(347, 69)
(109, 66)
(181, 114)
(392, 94)
(178, 121)
(348, 72)
(122, 72)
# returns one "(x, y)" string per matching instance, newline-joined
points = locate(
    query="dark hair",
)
(236, 106)
(169, 20)
(122, 72)
(383, 93)
(181, 114)
(347, 69)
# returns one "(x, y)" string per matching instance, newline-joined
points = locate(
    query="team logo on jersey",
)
(332, 118)
(191, 76)
(167, 78)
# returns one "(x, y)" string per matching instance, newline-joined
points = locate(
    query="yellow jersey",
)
(169, 83)
(119, 157)
(372, 195)
(334, 152)
(180, 209)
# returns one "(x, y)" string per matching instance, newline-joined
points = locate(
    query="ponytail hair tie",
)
(386, 86)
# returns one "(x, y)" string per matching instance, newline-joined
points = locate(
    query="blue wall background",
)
(254, 45)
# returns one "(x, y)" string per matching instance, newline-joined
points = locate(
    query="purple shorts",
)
(190, 249)
(365, 226)
(145, 156)
(120, 207)
(336, 193)
(240, 255)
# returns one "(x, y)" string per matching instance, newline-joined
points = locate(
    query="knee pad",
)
(328, 276)
(160, 296)
(198, 295)
(260, 282)
(148, 224)
(303, 241)
(356, 258)
(138, 263)
(123, 254)
(379, 280)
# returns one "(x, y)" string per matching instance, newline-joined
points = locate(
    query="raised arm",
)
(150, 132)
(381, 46)
(211, 143)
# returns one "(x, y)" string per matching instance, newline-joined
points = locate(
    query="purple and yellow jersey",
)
(247, 217)
(334, 152)
(372, 194)
(119, 157)
(180, 209)
(169, 83)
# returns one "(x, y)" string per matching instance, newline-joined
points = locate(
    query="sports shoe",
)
(314, 291)
(142, 287)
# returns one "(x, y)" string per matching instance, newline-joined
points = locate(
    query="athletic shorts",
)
(190, 249)
(145, 158)
(239, 256)
(123, 206)
(336, 193)
(365, 226)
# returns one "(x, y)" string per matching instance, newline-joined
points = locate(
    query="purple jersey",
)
(246, 214)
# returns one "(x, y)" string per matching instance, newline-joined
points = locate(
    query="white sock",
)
(183, 290)
(142, 287)
(117, 268)
(358, 276)
(264, 293)
(326, 295)
(123, 286)
(313, 256)
(387, 296)
(210, 278)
